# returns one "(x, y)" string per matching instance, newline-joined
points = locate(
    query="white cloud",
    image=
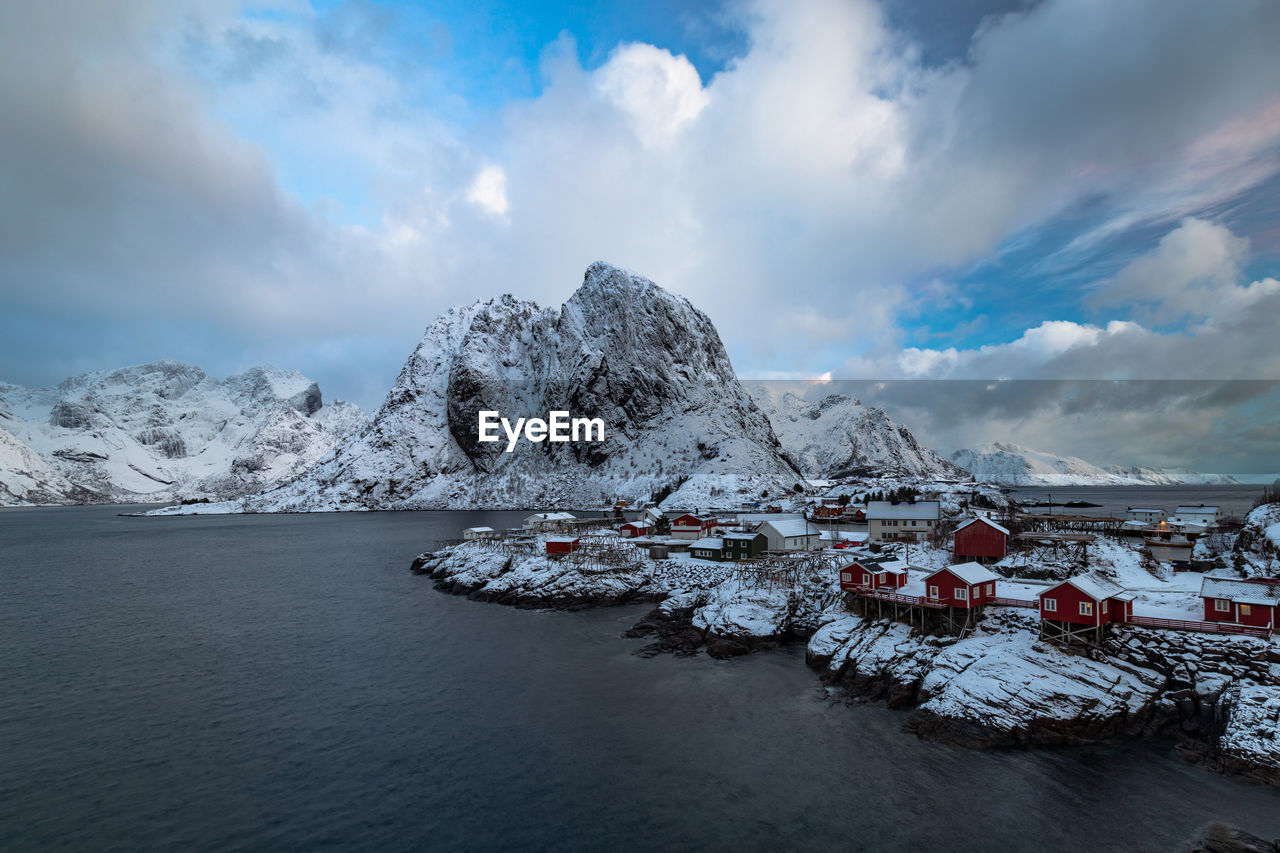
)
(659, 93)
(1193, 267)
(1194, 273)
(489, 191)
(249, 177)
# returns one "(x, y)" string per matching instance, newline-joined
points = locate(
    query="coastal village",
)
(906, 558)
(995, 624)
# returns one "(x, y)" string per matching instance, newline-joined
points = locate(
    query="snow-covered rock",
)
(1012, 464)
(1250, 743)
(163, 431)
(621, 349)
(531, 578)
(28, 480)
(837, 436)
(1257, 548)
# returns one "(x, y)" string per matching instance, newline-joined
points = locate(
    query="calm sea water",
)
(1113, 500)
(284, 682)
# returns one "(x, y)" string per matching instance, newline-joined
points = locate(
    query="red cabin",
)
(1086, 600)
(1243, 602)
(636, 528)
(981, 539)
(562, 544)
(967, 585)
(690, 526)
(857, 576)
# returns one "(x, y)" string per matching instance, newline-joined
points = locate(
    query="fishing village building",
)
(980, 538)
(790, 534)
(744, 544)
(899, 521)
(690, 526)
(1080, 607)
(1243, 602)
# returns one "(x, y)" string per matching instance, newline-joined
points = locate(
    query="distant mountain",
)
(645, 361)
(837, 436)
(161, 432)
(1011, 464)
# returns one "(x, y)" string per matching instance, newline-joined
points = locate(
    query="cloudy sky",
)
(933, 190)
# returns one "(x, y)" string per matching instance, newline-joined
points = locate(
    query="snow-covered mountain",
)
(621, 349)
(162, 431)
(1011, 464)
(837, 436)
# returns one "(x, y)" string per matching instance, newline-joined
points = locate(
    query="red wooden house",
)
(870, 575)
(966, 585)
(1244, 602)
(690, 526)
(1086, 600)
(981, 538)
(562, 544)
(636, 528)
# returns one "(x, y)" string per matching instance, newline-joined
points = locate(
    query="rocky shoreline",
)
(1217, 698)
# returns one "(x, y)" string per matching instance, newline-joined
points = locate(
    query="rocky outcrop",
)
(622, 349)
(1003, 687)
(1220, 838)
(530, 578)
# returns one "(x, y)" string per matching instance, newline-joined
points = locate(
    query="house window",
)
(1222, 605)
(866, 578)
(933, 592)
(1104, 607)
(846, 577)
(1086, 608)
(991, 589)
(1245, 610)
(1050, 605)
(962, 594)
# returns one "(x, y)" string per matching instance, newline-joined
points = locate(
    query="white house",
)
(547, 520)
(1149, 514)
(791, 534)
(478, 533)
(1207, 516)
(889, 521)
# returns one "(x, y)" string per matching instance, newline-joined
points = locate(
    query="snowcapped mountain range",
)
(837, 436)
(622, 349)
(160, 432)
(1011, 464)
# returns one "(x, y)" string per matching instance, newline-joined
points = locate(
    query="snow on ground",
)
(1253, 728)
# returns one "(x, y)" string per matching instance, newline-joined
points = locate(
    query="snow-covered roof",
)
(1143, 509)
(757, 517)
(714, 543)
(478, 530)
(903, 509)
(970, 573)
(562, 539)
(740, 534)
(985, 521)
(789, 527)
(1239, 590)
(1196, 509)
(844, 535)
(641, 524)
(550, 516)
(1095, 586)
